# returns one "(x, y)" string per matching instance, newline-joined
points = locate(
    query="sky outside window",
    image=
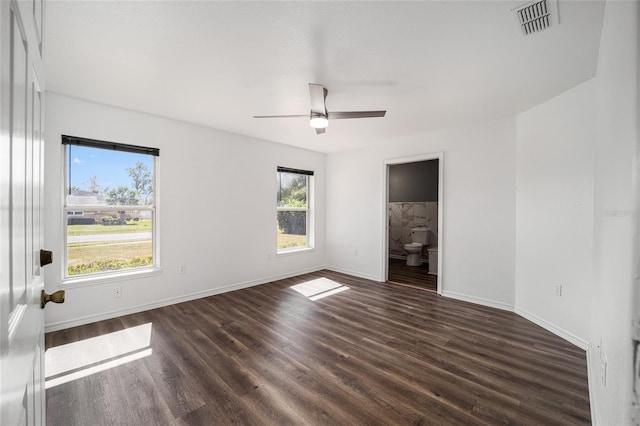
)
(109, 167)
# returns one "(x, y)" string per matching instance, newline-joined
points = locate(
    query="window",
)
(294, 222)
(110, 207)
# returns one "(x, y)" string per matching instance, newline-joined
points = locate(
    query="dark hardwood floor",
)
(374, 353)
(417, 276)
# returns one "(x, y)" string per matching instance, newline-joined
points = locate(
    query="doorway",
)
(413, 212)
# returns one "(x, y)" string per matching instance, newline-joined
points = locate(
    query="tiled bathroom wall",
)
(403, 217)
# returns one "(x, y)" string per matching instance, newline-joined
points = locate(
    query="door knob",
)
(57, 297)
(46, 257)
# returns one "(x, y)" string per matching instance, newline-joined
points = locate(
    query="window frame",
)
(120, 274)
(309, 221)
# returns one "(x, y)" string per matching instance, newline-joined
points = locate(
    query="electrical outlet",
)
(559, 290)
(603, 370)
(117, 292)
(269, 256)
(182, 269)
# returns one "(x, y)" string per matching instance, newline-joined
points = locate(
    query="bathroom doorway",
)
(413, 221)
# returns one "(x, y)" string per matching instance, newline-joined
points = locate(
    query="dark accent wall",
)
(413, 182)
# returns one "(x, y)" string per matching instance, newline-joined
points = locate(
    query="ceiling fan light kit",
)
(319, 116)
(318, 121)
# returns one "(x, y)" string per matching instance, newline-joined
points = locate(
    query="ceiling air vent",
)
(535, 16)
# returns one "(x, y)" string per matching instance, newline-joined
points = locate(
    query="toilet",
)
(419, 238)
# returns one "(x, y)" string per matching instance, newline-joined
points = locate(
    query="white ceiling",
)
(431, 64)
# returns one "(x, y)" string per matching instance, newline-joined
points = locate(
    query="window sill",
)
(109, 278)
(295, 251)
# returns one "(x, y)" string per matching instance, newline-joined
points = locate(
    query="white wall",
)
(615, 213)
(229, 180)
(577, 213)
(479, 209)
(554, 212)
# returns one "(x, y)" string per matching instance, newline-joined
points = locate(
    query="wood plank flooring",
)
(417, 276)
(371, 354)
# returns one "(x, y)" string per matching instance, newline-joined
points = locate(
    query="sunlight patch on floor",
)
(319, 288)
(83, 358)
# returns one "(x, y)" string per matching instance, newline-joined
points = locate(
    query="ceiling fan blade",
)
(355, 114)
(318, 95)
(321, 130)
(281, 116)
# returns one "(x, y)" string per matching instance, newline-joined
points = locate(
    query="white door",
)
(21, 151)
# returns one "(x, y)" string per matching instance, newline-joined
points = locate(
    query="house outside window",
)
(294, 210)
(109, 209)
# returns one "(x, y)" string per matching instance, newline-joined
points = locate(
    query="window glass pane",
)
(292, 229)
(101, 241)
(105, 177)
(292, 190)
(109, 211)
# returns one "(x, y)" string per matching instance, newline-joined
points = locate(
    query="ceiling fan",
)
(319, 116)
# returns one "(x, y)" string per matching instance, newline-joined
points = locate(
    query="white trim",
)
(384, 272)
(479, 301)
(384, 258)
(354, 273)
(294, 250)
(155, 217)
(88, 280)
(591, 381)
(61, 325)
(571, 338)
(292, 209)
(127, 207)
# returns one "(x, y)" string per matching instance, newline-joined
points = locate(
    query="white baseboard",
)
(579, 342)
(478, 300)
(354, 273)
(61, 325)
